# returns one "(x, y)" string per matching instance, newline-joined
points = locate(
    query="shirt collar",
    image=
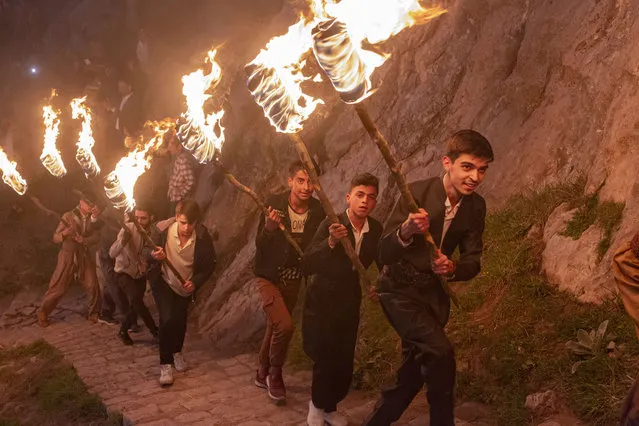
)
(174, 233)
(365, 228)
(449, 207)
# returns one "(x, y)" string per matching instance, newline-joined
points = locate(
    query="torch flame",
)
(119, 184)
(346, 27)
(84, 155)
(10, 174)
(202, 135)
(50, 157)
(275, 78)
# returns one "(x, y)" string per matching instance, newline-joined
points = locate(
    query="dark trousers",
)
(173, 310)
(329, 330)
(134, 289)
(112, 295)
(428, 358)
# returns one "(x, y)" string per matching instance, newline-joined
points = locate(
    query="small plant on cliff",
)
(591, 345)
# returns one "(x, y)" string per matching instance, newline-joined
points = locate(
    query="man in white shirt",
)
(333, 298)
(129, 113)
(187, 245)
(410, 288)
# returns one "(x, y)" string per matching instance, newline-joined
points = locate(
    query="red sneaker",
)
(275, 385)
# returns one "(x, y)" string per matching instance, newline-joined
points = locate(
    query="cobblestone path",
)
(216, 390)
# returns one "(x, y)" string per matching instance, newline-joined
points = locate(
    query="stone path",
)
(216, 390)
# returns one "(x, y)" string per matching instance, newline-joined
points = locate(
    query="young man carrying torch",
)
(278, 272)
(77, 233)
(187, 245)
(130, 272)
(333, 298)
(410, 286)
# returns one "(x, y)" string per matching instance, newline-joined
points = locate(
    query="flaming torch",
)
(10, 174)
(119, 184)
(50, 157)
(203, 136)
(84, 155)
(275, 78)
(338, 46)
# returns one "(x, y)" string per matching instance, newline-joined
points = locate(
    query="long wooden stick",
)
(326, 203)
(145, 235)
(260, 204)
(384, 148)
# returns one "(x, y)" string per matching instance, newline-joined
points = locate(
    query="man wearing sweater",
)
(130, 269)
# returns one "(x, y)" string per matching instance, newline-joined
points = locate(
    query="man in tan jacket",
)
(77, 233)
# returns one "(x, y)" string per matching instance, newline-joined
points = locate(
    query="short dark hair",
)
(468, 142)
(295, 167)
(365, 179)
(190, 209)
(143, 207)
(298, 165)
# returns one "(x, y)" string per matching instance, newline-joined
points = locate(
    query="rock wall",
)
(552, 84)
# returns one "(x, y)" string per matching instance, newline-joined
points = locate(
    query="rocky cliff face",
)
(552, 84)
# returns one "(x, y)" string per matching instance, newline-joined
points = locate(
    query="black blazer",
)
(465, 230)
(273, 251)
(333, 264)
(132, 115)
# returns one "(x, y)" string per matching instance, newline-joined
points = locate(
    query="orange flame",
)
(202, 135)
(275, 78)
(345, 28)
(50, 157)
(119, 184)
(10, 174)
(84, 154)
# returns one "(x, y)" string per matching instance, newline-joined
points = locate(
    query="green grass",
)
(511, 330)
(606, 215)
(43, 388)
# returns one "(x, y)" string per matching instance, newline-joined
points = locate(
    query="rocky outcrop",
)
(551, 84)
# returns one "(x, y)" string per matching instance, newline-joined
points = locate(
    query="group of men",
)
(176, 256)
(409, 288)
(181, 257)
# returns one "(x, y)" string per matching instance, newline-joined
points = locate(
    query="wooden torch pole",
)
(326, 203)
(384, 148)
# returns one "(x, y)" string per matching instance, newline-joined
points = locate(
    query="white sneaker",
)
(335, 419)
(179, 363)
(315, 416)
(166, 374)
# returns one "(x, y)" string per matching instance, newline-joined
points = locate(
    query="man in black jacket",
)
(278, 272)
(186, 243)
(410, 287)
(331, 309)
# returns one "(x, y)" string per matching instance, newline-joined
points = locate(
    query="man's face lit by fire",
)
(124, 88)
(300, 185)
(143, 218)
(85, 208)
(465, 173)
(361, 200)
(185, 228)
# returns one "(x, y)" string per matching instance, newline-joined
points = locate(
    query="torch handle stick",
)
(149, 241)
(384, 148)
(260, 204)
(326, 203)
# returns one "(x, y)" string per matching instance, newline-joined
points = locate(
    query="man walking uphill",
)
(186, 244)
(331, 309)
(410, 286)
(278, 273)
(76, 233)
